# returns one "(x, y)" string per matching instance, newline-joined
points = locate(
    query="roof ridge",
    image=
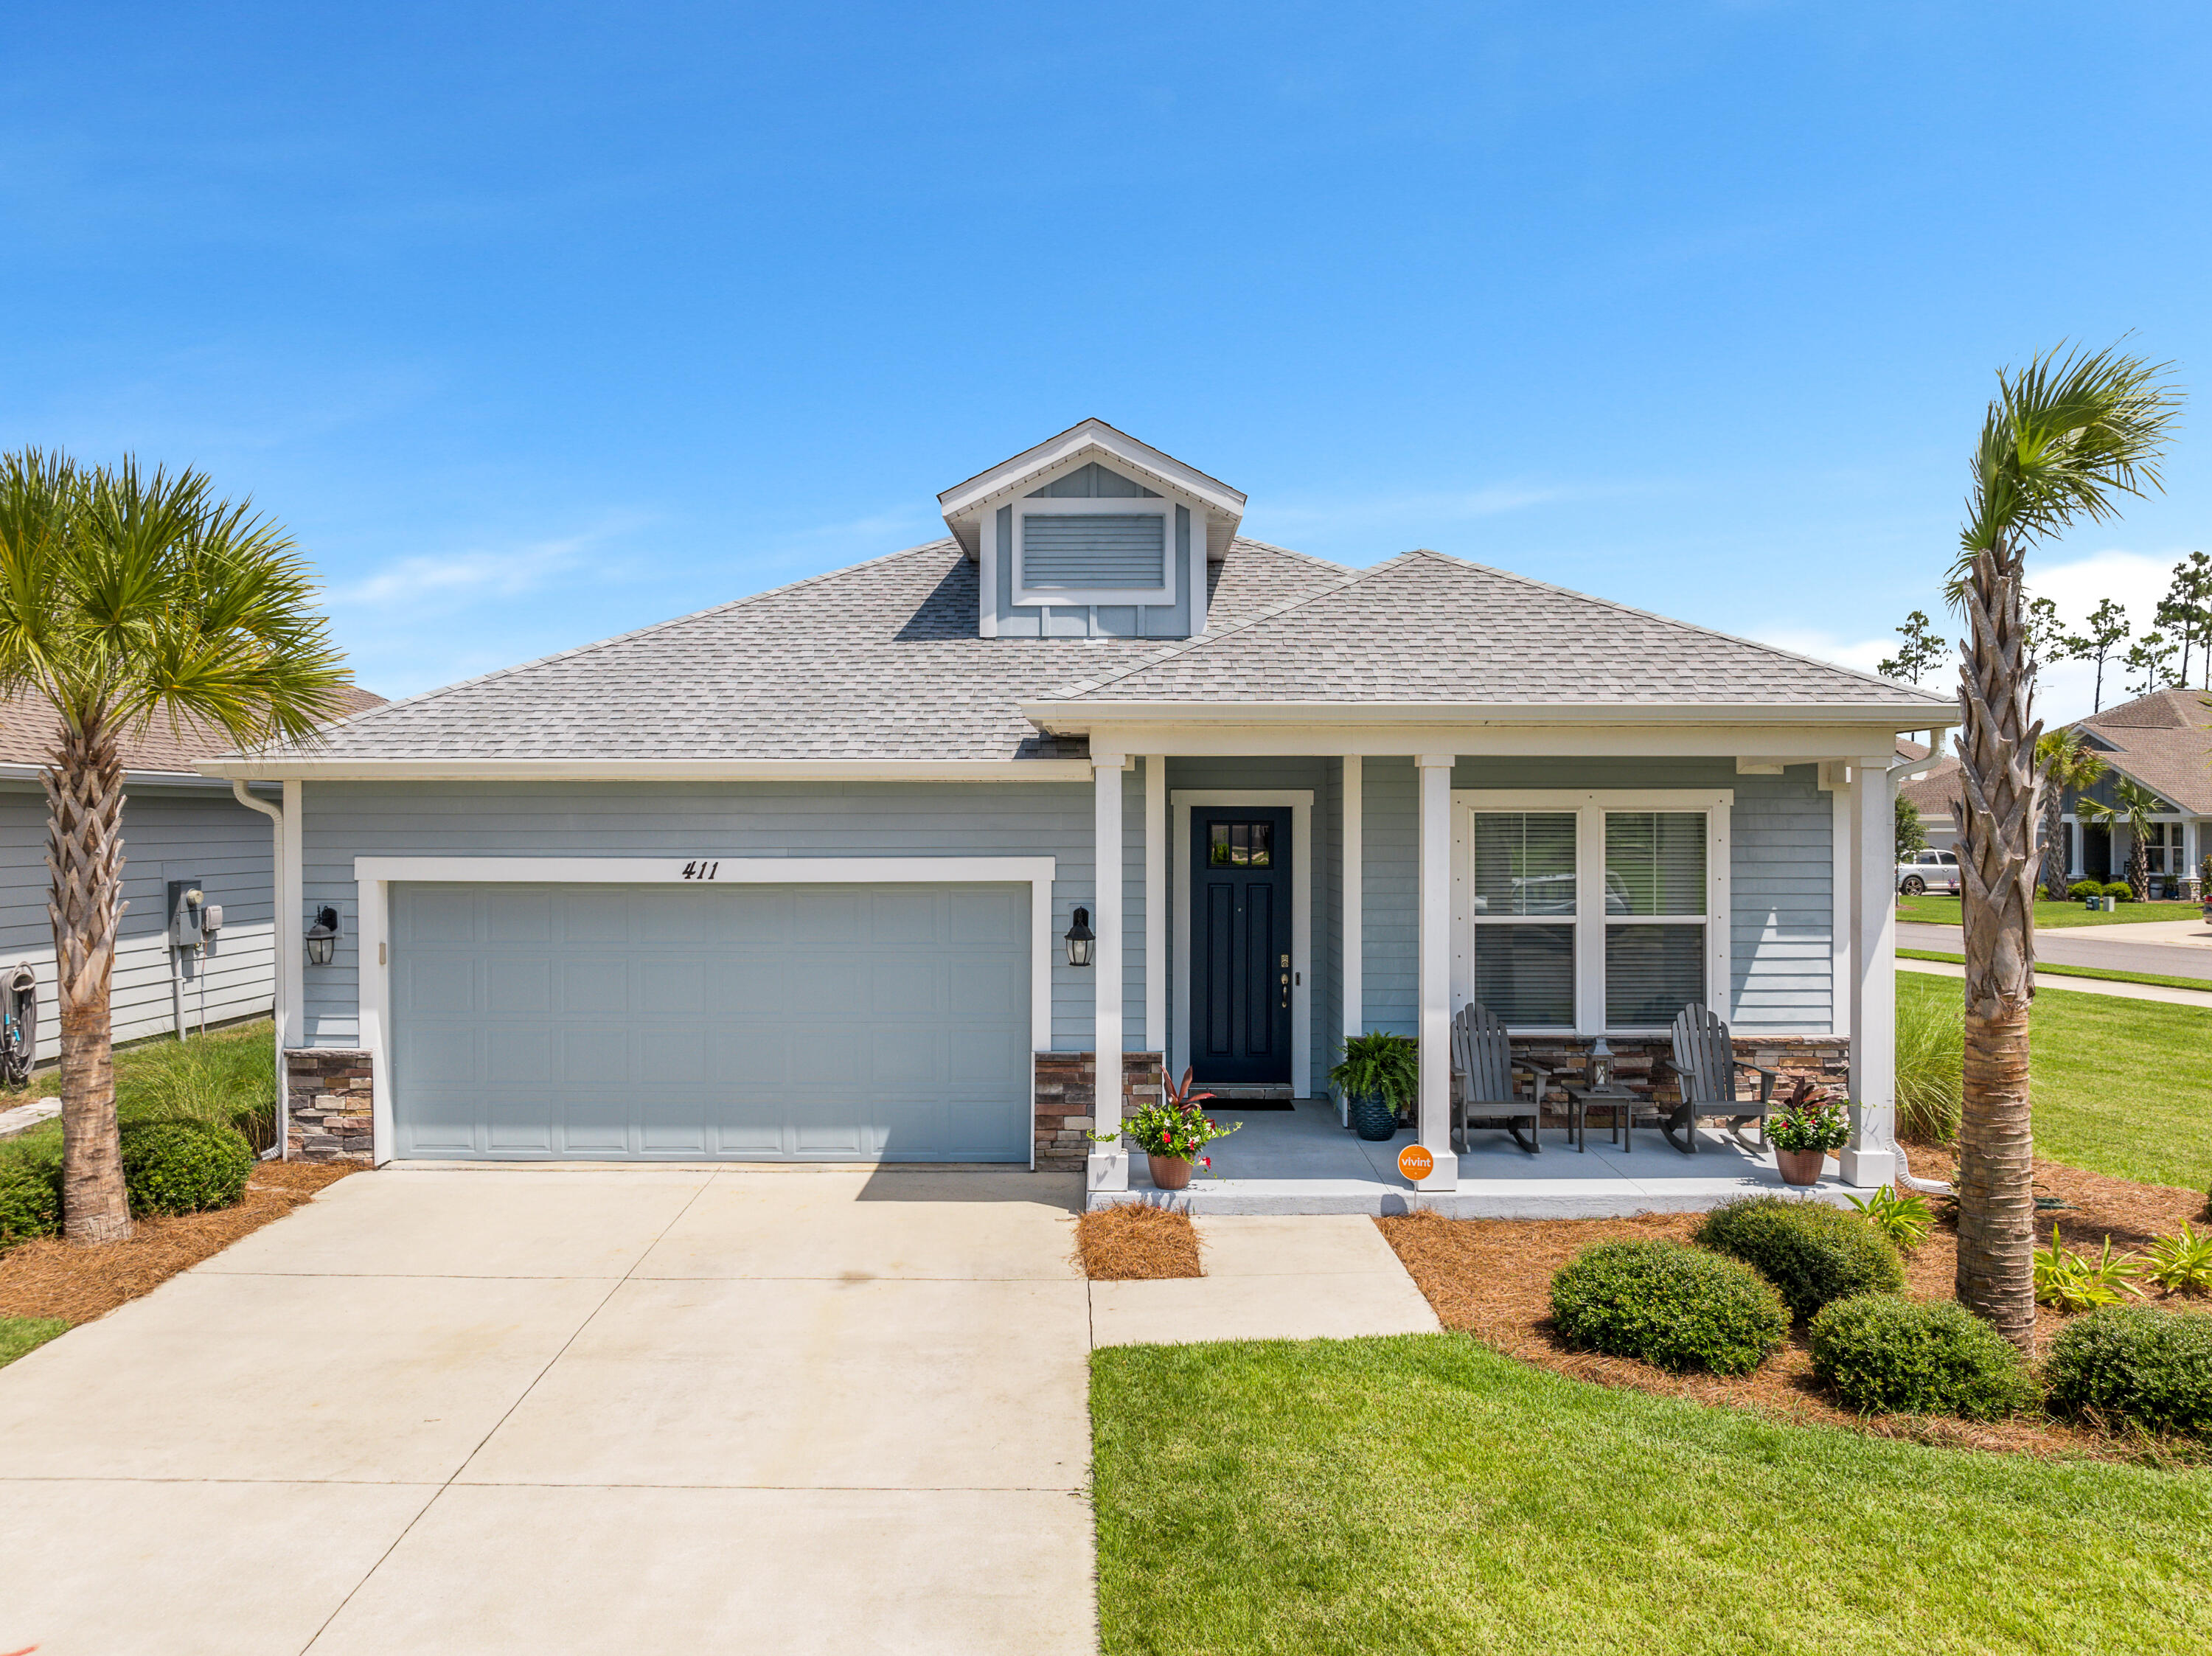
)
(1185, 646)
(1675, 621)
(499, 673)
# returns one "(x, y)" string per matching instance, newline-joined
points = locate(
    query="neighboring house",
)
(1933, 789)
(2162, 741)
(808, 876)
(177, 825)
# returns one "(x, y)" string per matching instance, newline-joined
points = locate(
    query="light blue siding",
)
(167, 833)
(1093, 482)
(1390, 935)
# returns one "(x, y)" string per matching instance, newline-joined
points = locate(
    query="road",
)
(2172, 955)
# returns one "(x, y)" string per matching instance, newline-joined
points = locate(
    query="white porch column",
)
(1871, 1158)
(1435, 945)
(1155, 905)
(1351, 912)
(1107, 1171)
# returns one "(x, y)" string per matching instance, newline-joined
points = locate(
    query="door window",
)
(1241, 845)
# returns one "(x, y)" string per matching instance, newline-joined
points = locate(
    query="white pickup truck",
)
(1928, 871)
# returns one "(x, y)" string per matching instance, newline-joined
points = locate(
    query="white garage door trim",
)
(375, 875)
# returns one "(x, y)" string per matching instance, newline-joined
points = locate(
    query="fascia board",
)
(1117, 446)
(131, 779)
(335, 769)
(1076, 716)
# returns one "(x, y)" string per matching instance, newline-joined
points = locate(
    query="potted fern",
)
(1379, 1076)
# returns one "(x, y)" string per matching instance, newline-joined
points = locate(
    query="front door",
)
(1240, 922)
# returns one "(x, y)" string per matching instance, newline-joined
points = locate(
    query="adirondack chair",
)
(1704, 1065)
(1482, 1081)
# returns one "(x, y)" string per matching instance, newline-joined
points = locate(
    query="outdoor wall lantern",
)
(1080, 942)
(323, 938)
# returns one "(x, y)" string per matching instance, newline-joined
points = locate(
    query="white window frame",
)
(1156, 506)
(1591, 922)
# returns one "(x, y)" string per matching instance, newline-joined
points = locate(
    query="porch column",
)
(1351, 922)
(1106, 963)
(1155, 905)
(1435, 947)
(1870, 1159)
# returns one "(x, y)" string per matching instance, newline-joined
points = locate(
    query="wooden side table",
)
(1581, 1099)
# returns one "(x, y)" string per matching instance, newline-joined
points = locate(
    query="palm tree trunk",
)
(84, 859)
(2053, 864)
(2138, 866)
(1997, 748)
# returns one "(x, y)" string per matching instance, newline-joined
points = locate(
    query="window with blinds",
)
(1526, 897)
(1655, 915)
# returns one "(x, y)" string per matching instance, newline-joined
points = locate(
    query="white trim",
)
(1197, 574)
(1155, 904)
(1107, 920)
(1029, 470)
(1352, 935)
(373, 876)
(1303, 861)
(1434, 949)
(1115, 505)
(1839, 912)
(339, 769)
(1591, 920)
(1871, 1158)
(1247, 730)
(986, 576)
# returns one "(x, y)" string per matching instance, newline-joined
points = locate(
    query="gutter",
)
(1075, 717)
(493, 768)
(281, 942)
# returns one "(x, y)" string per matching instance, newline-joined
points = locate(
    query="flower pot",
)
(1169, 1172)
(1801, 1167)
(1372, 1118)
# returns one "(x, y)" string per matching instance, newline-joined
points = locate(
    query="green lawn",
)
(19, 1335)
(1937, 909)
(2120, 1087)
(1425, 1493)
(2048, 969)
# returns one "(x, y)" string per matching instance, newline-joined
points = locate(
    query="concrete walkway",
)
(472, 1413)
(2118, 990)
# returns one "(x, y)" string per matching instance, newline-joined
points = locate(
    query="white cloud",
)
(1865, 655)
(463, 576)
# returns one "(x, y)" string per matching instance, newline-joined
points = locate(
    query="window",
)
(1103, 550)
(2162, 846)
(1240, 845)
(1597, 913)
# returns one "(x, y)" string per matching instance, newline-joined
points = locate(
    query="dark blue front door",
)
(1240, 1015)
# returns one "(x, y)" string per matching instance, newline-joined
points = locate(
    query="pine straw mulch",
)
(1491, 1278)
(50, 1278)
(1132, 1242)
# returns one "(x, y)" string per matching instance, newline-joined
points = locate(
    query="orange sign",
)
(1415, 1161)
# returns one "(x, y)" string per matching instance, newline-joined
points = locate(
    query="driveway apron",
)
(554, 1410)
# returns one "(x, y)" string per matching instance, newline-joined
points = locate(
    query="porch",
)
(1302, 1160)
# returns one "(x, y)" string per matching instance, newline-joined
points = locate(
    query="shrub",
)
(2075, 1281)
(1674, 1306)
(2085, 888)
(1884, 1355)
(2136, 1363)
(2121, 889)
(1812, 1253)
(183, 1167)
(1931, 1047)
(30, 1197)
(2182, 1262)
(1906, 1220)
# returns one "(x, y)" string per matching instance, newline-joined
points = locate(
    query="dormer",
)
(1092, 533)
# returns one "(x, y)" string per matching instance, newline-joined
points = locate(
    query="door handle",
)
(1286, 989)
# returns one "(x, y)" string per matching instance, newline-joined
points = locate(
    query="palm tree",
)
(2063, 761)
(2064, 439)
(123, 596)
(2133, 807)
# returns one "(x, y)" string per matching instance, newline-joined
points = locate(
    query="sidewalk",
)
(2079, 985)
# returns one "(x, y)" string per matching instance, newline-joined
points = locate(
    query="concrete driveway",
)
(548, 1412)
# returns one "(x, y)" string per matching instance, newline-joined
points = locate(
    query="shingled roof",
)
(27, 731)
(2164, 741)
(1426, 628)
(881, 660)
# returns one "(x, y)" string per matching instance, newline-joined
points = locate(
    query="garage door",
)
(754, 1022)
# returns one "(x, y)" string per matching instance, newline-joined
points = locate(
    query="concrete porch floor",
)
(1302, 1161)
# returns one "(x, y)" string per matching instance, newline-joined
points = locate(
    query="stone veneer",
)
(327, 1093)
(1067, 1097)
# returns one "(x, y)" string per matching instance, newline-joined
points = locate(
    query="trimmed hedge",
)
(30, 1197)
(1674, 1307)
(1815, 1253)
(184, 1167)
(1885, 1355)
(2081, 889)
(2136, 1363)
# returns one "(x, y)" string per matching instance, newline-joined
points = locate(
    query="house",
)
(2161, 742)
(181, 829)
(1930, 786)
(871, 866)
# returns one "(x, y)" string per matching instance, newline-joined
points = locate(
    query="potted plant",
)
(1173, 1133)
(1803, 1131)
(1379, 1076)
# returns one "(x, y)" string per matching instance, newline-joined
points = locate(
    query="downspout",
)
(279, 946)
(1931, 1187)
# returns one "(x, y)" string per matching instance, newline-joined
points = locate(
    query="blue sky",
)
(537, 323)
